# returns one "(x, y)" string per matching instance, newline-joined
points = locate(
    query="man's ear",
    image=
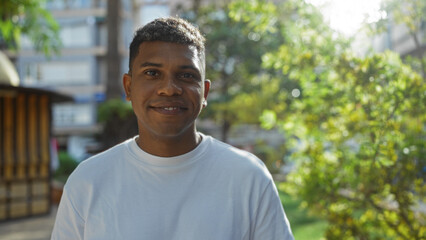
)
(207, 84)
(127, 81)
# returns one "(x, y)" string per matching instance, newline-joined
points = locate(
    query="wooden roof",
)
(8, 90)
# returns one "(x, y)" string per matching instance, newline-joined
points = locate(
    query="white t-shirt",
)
(214, 192)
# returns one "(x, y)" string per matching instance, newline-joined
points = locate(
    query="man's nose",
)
(169, 86)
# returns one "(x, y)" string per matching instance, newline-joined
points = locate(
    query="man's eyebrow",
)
(189, 67)
(150, 64)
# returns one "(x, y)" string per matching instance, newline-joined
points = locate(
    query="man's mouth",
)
(169, 110)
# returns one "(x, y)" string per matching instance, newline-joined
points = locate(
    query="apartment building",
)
(397, 38)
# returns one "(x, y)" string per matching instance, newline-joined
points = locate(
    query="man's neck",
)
(169, 146)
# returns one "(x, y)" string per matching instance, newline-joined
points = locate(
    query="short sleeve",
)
(68, 224)
(271, 221)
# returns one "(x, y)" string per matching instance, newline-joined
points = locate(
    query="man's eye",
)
(187, 75)
(151, 73)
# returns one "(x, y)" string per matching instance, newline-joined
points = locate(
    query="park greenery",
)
(67, 164)
(118, 120)
(354, 125)
(32, 19)
(304, 225)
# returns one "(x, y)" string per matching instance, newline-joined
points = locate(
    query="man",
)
(170, 181)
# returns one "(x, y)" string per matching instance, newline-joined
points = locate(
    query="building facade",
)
(398, 39)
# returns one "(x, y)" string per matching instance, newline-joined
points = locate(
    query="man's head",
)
(170, 29)
(166, 84)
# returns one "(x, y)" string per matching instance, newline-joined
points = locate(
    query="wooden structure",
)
(25, 131)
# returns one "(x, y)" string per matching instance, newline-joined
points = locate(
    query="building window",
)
(57, 73)
(26, 42)
(73, 114)
(102, 36)
(68, 4)
(71, 36)
(150, 12)
(76, 36)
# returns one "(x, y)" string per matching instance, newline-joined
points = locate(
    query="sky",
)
(347, 16)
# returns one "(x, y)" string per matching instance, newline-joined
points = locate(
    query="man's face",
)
(167, 89)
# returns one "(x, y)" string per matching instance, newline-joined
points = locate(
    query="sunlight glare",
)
(347, 16)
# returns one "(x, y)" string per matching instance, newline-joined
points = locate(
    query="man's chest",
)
(191, 214)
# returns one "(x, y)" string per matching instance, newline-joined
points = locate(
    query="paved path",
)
(34, 228)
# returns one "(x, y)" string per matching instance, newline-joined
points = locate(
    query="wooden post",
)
(32, 136)
(8, 138)
(44, 136)
(21, 135)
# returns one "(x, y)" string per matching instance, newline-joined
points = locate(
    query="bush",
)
(67, 164)
(271, 156)
(118, 120)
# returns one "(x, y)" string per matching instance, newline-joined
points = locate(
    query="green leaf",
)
(268, 119)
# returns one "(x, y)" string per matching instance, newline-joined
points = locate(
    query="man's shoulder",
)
(229, 155)
(107, 155)
(225, 148)
(100, 163)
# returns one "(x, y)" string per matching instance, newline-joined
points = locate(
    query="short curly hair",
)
(169, 29)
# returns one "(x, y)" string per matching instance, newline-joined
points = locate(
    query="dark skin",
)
(168, 90)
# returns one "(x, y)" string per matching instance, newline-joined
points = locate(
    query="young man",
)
(170, 181)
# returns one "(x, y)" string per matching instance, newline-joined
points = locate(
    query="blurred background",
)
(329, 94)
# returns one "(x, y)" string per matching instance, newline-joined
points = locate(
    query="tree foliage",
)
(355, 126)
(118, 121)
(28, 17)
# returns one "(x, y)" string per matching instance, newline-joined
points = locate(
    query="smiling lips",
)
(168, 108)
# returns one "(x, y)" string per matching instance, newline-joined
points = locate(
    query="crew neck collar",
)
(156, 161)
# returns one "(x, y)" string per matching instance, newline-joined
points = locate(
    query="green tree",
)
(118, 121)
(28, 17)
(355, 126)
